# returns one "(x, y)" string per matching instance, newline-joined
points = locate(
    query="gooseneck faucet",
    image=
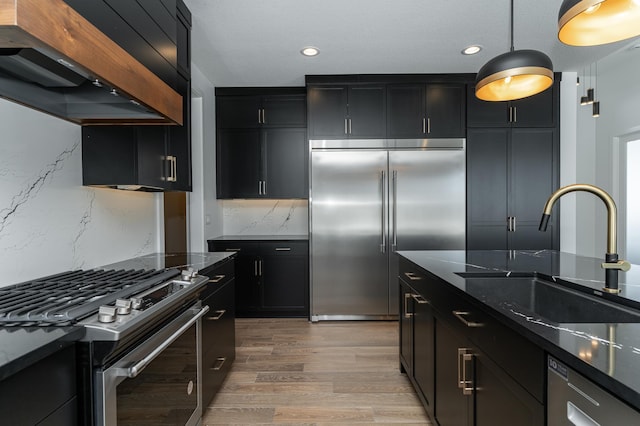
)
(611, 264)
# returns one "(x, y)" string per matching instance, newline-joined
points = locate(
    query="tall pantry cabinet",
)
(513, 166)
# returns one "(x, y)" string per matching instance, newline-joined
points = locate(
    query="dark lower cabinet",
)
(417, 333)
(272, 278)
(44, 393)
(218, 329)
(467, 368)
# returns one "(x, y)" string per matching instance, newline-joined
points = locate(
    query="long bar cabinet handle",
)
(464, 356)
(219, 363)
(412, 276)
(461, 316)
(219, 315)
(283, 248)
(407, 314)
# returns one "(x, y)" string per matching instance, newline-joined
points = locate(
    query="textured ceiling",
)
(257, 42)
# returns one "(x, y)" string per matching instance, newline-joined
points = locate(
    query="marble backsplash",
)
(265, 217)
(49, 222)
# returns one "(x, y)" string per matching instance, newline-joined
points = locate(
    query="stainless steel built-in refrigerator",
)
(369, 199)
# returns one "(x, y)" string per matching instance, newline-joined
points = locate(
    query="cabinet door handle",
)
(283, 248)
(412, 276)
(264, 187)
(217, 279)
(259, 117)
(259, 187)
(424, 125)
(407, 314)
(515, 114)
(509, 224)
(218, 316)
(464, 356)
(383, 218)
(260, 267)
(346, 131)
(174, 160)
(461, 316)
(419, 299)
(219, 363)
(263, 119)
(349, 126)
(255, 268)
(232, 249)
(513, 224)
(428, 125)
(510, 114)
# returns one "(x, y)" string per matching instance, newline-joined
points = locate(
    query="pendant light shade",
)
(514, 75)
(595, 22)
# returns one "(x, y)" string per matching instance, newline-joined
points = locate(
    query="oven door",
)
(158, 382)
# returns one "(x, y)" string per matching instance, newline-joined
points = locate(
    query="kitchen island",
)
(473, 287)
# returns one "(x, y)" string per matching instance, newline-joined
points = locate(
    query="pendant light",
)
(515, 74)
(595, 22)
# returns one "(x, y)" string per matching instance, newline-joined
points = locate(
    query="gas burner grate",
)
(68, 297)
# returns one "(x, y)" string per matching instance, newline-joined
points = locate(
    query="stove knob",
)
(107, 313)
(136, 303)
(123, 306)
(188, 274)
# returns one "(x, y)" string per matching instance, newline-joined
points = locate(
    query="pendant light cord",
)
(512, 49)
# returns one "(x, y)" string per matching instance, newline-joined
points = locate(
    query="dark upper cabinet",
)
(513, 166)
(257, 111)
(426, 110)
(347, 111)
(158, 158)
(510, 175)
(540, 110)
(262, 143)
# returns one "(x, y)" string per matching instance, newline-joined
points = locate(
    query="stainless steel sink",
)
(549, 300)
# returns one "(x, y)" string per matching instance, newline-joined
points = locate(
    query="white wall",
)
(618, 90)
(49, 222)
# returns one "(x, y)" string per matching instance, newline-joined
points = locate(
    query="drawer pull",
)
(283, 248)
(419, 299)
(217, 278)
(232, 249)
(412, 276)
(217, 317)
(464, 383)
(461, 316)
(219, 363)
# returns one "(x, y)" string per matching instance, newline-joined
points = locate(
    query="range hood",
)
(54, 60)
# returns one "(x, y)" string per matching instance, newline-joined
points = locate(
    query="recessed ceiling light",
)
(471, 50)
(310, 51)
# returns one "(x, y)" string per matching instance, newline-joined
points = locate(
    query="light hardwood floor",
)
(290, 371)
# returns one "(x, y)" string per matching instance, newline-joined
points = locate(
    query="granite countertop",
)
(300, 237)
(608, 354)
(23, 346)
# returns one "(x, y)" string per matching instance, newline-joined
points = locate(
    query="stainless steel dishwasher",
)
(572, 399)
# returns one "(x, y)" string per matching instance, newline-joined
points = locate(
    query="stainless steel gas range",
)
(140, 357)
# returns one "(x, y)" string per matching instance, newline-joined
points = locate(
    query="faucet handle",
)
(622, 265)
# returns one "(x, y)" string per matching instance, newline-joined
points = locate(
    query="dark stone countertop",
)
(197, 261)
(261, 238)
(608, 354)
(23, 346)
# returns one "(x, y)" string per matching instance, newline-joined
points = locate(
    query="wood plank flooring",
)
(290, 371)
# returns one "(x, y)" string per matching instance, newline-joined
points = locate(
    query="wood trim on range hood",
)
(54, 28)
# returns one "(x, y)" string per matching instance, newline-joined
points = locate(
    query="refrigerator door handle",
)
(383, 231)
(394, 201)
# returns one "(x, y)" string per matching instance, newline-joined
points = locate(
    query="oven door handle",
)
(137, 368)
